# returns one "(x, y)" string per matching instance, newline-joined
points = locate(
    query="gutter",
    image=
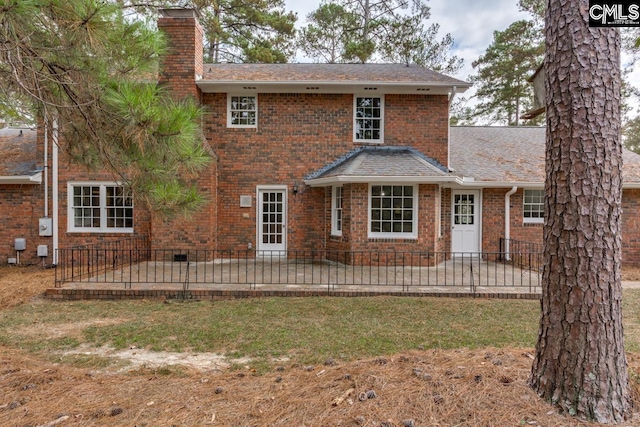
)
(22, 179)
(507, 220)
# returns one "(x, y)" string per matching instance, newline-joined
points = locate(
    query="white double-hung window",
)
(336, 211)
(368, 119)
(99, 207)
(533, 207)
(242, 111)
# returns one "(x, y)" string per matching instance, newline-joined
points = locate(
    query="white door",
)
(272, 220)
(465, 221)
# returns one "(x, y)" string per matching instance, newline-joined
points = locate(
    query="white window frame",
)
(394, 235)
(337, 223)
(71, 227)
(355, 119)
(524, 204)
(229, 111)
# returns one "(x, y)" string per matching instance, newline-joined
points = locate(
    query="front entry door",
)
(272, 220)
(465, 221)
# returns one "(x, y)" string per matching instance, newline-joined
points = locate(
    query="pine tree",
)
(84, 66)
(580, 363)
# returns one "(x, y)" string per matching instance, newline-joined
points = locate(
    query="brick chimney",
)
(180, 69)
(183, 64)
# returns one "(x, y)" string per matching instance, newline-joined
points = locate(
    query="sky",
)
(471, 23)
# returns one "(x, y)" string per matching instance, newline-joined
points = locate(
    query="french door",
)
(272, 219)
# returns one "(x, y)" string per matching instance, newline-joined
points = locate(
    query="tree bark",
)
(580, 363)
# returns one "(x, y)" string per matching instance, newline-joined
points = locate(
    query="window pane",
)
(392, 209)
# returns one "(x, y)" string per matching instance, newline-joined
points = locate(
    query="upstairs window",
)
(99, 207)
(368, 119)
(533, 206)
(242, 111)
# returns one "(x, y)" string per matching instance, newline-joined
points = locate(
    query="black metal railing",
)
(524, 255)
(83, 262)
(321, 269)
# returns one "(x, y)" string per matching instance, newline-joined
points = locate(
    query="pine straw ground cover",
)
(431, 387)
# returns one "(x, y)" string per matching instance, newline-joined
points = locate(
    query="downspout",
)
(452, 95)
(54, 188)
(507, 220)
(46, 168)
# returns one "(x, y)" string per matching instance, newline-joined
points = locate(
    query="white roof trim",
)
(22, 179)
(342, 179)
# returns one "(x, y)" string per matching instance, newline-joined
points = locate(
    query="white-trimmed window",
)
(336, 211)
(393, 211)
(100, 207)
(242, 111)
(533, 206)
(368, 114)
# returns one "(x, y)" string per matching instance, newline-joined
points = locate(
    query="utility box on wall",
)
(45, 227)
(20, 244)
(43, 250)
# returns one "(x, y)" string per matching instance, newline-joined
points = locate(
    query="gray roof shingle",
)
(17, 152)
(511, 154)
(296, 72)
(385, 161)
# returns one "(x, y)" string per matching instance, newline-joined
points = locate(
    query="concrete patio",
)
(236, 278)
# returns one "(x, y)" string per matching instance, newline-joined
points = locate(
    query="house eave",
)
(325, 87)
(345, 179)
(22, 179)
(500, 184)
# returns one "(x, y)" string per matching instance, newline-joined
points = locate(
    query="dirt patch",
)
(71, 330)
(137, 358)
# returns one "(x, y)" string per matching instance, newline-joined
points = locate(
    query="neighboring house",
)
(348, 157)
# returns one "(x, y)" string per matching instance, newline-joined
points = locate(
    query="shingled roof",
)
(18, 156)
(368, 164)
(326, 73)
(327, 78)
(500, 155)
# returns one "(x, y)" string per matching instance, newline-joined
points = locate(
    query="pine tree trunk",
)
(580, 363)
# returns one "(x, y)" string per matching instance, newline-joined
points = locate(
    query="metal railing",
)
(522, 254)
(295, 270)
(83, 262)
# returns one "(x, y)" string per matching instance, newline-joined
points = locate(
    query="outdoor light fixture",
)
(295, 188)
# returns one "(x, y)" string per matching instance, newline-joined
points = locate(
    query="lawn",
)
(273, 361)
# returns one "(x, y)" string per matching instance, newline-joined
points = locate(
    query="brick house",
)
(349, 157)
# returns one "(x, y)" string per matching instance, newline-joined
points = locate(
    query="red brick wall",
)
(493, 219)
(296, 135)
(631, 227)
(20, 208)
(71, 172)
(419, 121)
(493, 223)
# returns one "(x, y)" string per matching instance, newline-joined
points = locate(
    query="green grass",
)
(307, 330)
